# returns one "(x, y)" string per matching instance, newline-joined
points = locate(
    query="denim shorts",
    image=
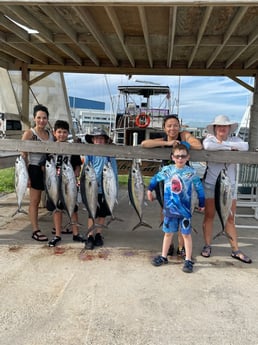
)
(209, 190)
(172, 225)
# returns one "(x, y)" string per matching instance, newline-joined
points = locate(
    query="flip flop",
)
(239, 255)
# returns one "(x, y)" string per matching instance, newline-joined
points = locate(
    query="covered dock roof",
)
(131, 37)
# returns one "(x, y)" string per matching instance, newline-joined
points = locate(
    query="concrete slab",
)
(113, 295)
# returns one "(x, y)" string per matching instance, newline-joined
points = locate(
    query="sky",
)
(197, 100)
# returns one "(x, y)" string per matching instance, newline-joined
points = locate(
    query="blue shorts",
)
(171, 225)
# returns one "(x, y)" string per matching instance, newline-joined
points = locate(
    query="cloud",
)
(196, 99)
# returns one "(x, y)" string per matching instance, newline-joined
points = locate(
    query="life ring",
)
(142, 120)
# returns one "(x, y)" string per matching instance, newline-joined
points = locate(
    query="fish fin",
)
(19, 210)
(141, 223)
(194, 230)
(114, 218)
(73, 223)
(223, 233)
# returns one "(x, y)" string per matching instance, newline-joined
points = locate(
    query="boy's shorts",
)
(36, 177)
(171, 225)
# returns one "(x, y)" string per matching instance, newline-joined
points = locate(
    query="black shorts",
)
(102, 209)
(36, 176)
(51, 207)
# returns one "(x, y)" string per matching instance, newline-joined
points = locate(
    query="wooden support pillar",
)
(253, 130)
(25, 74)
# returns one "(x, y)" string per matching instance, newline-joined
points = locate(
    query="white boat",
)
(141, 117)
(140, 113)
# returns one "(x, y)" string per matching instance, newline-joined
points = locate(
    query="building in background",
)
(89, 113)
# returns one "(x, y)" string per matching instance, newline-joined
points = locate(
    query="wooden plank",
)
(126, 152)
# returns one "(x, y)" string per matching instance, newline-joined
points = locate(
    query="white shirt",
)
(211, 143)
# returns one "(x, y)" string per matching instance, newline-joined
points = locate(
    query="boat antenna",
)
(146, 82)
(178, 94)
(111, 99)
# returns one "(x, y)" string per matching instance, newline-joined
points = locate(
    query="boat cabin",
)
(143, 112)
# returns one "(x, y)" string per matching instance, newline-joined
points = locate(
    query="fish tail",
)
(114, 218)
(223, 233)
(70, 223)
(94, 226)
(141, 223)
(19, 210)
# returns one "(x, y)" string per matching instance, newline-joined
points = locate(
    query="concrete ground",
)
(113, 295)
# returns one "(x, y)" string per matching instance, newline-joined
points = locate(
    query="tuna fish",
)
(223, 200)
(159, 191)
(136, 192)
(109, 184)
(89, 191)
(21, 182)
(52, 182)
(194, 204)
(68, 187)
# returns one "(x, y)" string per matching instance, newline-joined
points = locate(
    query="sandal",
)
(206, 251)
(54, 241)
(37, 236)
(239, 255)
(64, 231)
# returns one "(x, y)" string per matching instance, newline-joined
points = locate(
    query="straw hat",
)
(97, 132)
(222, 120)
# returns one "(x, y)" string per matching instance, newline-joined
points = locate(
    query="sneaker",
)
(54, 241)
(89, 243)
(78, 238)
(188, 266)
(171, 250)
(181, 252)
(98, 240)
(159, 260)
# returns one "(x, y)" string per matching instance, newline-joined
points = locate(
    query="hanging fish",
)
(223, 200)
(109, 184)
(136, 192)
(194, 203)
(52, 182)
(68, 187)
(21, 182)
(89, 191)
(159, 191)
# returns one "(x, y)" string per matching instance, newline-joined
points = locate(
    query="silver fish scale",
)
(21, 179)
(89, 189)
(69, 187)
(51, 181)
(137, 188)
(109, 186)
(226, 196)
(223, 200)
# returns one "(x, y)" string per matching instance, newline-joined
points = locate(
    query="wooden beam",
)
(127, 152)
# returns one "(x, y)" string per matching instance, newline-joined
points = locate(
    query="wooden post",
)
(253, 130)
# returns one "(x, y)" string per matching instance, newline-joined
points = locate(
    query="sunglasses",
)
(179, 156)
